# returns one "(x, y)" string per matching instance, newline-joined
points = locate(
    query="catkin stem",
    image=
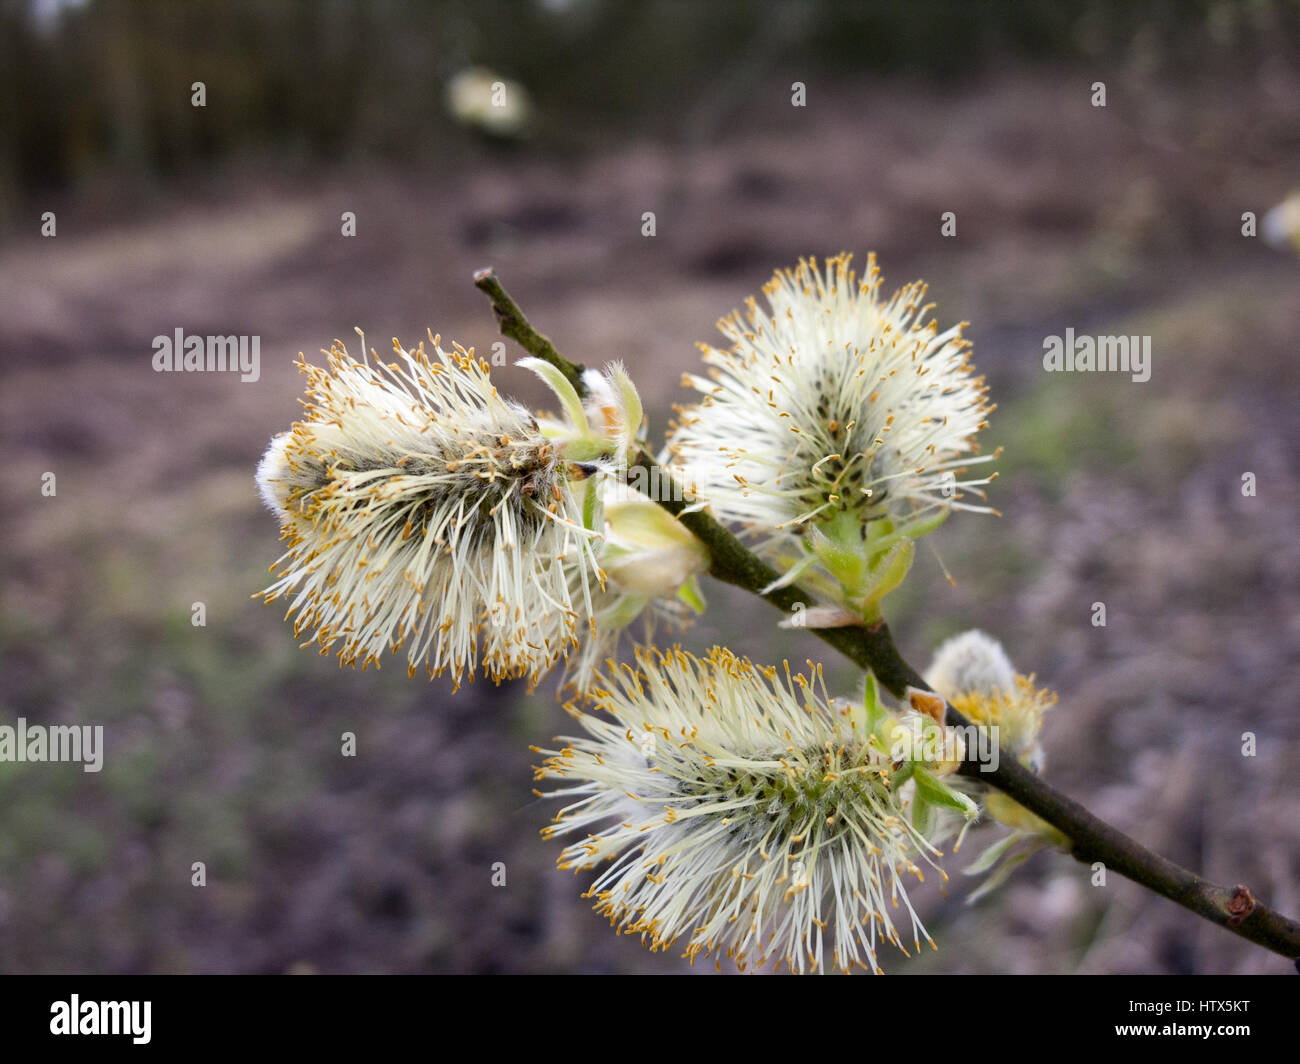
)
(1091, 839)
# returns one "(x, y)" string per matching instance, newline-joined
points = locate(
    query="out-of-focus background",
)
(223, 741)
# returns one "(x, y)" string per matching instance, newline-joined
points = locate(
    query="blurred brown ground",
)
(223, 742)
